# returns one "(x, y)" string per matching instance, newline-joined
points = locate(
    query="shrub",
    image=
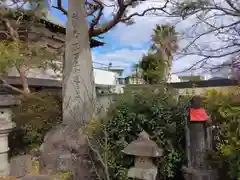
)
(224, 109)
(36, 115)
(156, 112)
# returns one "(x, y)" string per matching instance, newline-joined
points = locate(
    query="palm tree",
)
(136, 72)
(165, 42)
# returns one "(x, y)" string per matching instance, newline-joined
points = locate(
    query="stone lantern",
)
(144, 150)
(6, 126)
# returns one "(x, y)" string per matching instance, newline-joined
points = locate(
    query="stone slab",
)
(9, 100)
(20, 166)
(40, 177)
(140, 173)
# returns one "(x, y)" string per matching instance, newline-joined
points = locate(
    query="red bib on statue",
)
(198, 115)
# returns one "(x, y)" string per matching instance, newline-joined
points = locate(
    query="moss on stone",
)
(63, 175)
(35, 168)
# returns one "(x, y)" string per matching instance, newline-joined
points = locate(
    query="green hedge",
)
(156, 112)
(224, 109)
(35, 116)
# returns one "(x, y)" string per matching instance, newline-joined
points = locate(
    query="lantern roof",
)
(143, 146)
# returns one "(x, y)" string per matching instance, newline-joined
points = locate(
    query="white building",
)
(173, 79)
(101, 77)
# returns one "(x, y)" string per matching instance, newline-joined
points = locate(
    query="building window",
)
(121, 81)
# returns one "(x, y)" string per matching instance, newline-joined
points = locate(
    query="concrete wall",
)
(105, 97)
(199, 91)
(104, 102)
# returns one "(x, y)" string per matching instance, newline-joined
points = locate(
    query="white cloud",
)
(140, 32)
(124, 57)
(136, 35)
(11, 4)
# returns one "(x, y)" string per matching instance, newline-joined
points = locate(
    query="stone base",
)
(4, 171)
(65, 150)
(199, 174)
(40, 177)
(20, 166)
(140, 173)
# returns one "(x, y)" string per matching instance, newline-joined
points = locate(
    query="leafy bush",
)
(225, 113)
(156, 112)
(36, 115)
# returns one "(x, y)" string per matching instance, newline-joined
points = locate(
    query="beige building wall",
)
(198, 91)
(133, 80)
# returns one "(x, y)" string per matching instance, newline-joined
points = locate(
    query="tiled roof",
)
(54, 20)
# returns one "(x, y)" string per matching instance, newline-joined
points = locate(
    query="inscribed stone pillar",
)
(78, 81)
(199, 145)
(199, 141)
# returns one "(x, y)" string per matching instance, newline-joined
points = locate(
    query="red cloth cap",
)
(199, 114)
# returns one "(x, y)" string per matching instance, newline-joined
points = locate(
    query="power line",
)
(107, 65)
(100, 63)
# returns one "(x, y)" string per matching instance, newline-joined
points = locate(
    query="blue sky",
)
(125, 45)
(102, 55)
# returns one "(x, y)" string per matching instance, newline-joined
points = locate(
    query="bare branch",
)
(12, 87)
(102, 158)
(112, 23)
(214, 29)
(60, 7)
(96, 20)
(231, 4)
(146, 11)
(212, 19)
(11, 31)
(95, 10)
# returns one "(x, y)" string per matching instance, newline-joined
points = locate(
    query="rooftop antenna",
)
(109, 65)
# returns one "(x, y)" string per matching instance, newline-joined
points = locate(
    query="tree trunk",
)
(167, 64)
(79, 96)
(23, 79)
